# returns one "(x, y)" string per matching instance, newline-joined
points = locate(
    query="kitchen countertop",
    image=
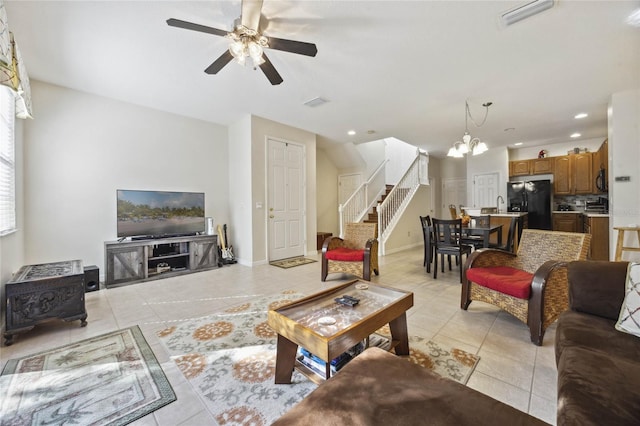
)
(588, 214)
(509, 214)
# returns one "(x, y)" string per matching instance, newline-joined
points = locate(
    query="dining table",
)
(484, 232)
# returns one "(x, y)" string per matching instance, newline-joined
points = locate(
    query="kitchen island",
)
(504, 219)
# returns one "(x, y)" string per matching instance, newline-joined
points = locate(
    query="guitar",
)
(226, 254)
(230, 247)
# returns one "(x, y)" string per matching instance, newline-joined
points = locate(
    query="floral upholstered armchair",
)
(355, 254)
(530, 284)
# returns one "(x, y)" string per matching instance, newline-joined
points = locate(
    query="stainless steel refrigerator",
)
(533, 197)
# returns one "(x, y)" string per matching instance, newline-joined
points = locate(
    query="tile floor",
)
(511, 368)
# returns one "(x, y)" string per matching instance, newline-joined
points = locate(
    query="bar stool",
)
(620, 244)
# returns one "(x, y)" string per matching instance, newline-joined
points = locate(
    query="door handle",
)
(271, 216)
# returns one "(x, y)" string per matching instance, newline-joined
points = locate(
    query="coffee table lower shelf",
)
(315, 378)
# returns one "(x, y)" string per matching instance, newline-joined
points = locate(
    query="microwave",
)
(601, 180)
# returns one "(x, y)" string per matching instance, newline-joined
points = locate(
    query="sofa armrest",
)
(597, 287)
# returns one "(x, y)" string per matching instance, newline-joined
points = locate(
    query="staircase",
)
(373, 217)
(393, 200)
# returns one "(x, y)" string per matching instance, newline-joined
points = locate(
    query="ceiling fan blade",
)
(251, 10)
(300, 47)
(219, 63)
(270, 71)
(195, 27)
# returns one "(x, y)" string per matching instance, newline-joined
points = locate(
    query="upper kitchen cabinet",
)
(582, 170)
(520, 168)
(537, 166)
(573, 174)
(541, 166)
(562, 182)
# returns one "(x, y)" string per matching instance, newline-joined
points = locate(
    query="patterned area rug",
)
(291, 262)
(229, 358)
(110, 379)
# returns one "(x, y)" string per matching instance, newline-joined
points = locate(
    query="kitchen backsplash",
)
(577, 202)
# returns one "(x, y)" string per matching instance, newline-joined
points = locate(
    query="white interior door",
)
(485, 190)
(285, 187)
(454, 191)
(347, 184)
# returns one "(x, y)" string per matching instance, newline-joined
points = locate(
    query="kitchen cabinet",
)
(583, 173)
(520, 168)
(567, 222)
(540, 166)
(598, 227)
(562, 175)
(573, 174)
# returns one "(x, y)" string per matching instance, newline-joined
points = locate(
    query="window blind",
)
(7, 161)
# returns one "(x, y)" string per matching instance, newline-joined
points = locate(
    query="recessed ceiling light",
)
(576, 135)
(581, 115)
(351, 132)
(518, 143)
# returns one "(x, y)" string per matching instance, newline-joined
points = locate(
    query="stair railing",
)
(390, 210)
(363, 199)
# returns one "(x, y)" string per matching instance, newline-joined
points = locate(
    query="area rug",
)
(229, 358)
(110, 379)
(291, 262)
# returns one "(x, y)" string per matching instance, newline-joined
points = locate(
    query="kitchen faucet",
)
(498, 202)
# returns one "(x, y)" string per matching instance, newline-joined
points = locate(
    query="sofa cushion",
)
(577, 329)
(597, 287)
(345, 255)
(629, 320)
(597, 388)
(505, 279)
(378, 388)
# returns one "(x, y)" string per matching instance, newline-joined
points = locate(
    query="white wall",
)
(624, 157)
(240, 181)
(400, 155)
(408, 231)
(81, 148)
(555, 150)
(327, 195)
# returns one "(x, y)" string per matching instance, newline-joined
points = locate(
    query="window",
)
(7, 161)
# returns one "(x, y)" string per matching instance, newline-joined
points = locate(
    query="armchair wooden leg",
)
(465, 300)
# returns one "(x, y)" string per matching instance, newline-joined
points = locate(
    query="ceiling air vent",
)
(525, 11)
(315, 102)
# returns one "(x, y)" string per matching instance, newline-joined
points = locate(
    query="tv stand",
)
(128, 262)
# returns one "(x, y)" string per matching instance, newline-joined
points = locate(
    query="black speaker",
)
(91, 278)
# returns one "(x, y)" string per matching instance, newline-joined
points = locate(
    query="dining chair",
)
(477, 241)
(427, 235)
(446, 242)
(452, 210)
(508, 244)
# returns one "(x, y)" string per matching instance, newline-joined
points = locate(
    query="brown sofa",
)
(598, 366)
(379, 388)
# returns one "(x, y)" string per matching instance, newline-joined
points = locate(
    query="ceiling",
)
(398, 68)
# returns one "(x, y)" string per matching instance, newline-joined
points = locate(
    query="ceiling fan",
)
(247, 41)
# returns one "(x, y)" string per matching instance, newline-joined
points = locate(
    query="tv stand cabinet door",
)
(125, 264)
(204, 253)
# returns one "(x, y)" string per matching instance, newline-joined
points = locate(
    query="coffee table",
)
(304, 322)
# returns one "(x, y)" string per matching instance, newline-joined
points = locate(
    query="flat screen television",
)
(155, 214)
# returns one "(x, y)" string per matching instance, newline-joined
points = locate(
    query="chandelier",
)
(247, 43)
(469, 144)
